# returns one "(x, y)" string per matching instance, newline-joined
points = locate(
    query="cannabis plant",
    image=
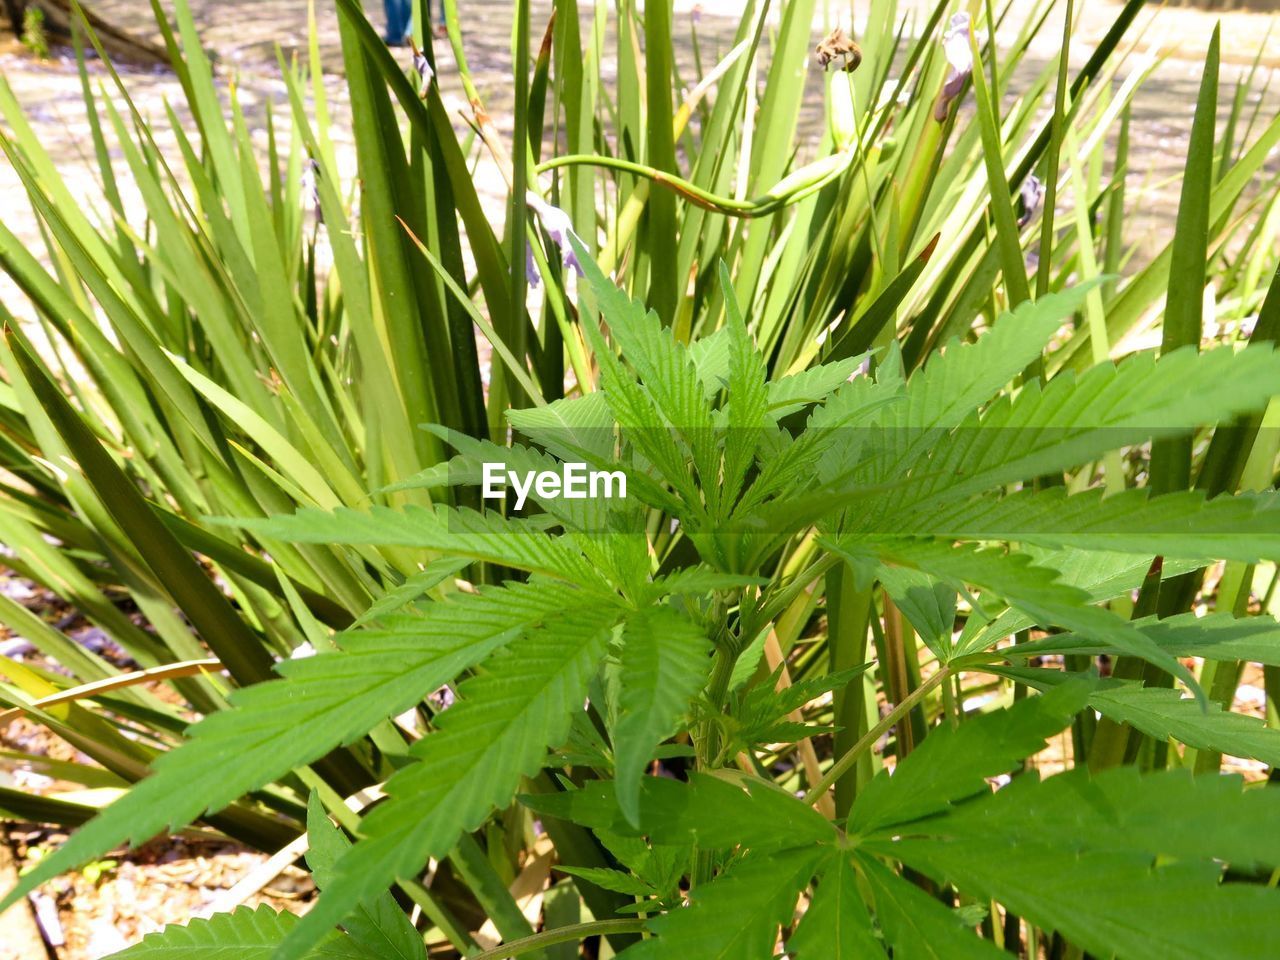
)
(808, 527)
(641, 635)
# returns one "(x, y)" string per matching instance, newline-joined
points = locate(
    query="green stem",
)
(875, 733)
(547, 938)
(1053, 160)
(771, 202)
(784, 597)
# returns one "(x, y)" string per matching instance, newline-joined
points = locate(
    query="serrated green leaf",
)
(1215, 636)
(1106, 889)
(1036, 590)
(459, 532)
(1165, 714)
(960, 378)
(321, 702)
(837, 925)
(664, 662)
(708, 811)
(829, 445)
(615, 880)
(710, 356)
(635, 408)
(1069, 422)
(580, 427)
(916, 925)
(1167, 813)
(798, 390)
(928, 604)
(953, 763)
(736, 915)
(244, 935)
(498, 731)
(699, 579)
(414, 588)
(746, 404)
(378, 923)
(1184, 525)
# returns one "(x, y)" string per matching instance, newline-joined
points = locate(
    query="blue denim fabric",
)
(399, 19)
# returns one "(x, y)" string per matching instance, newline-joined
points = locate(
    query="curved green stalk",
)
(864, 744)
(791, 189)
(547, 938)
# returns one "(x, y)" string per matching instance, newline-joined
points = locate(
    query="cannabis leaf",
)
(245, 934)
(498, 731)
(664, 662)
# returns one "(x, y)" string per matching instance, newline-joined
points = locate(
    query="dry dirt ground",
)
(99, 911)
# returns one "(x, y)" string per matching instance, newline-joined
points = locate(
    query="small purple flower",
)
(423, 68)
(530, 270)
(955, 47)
(310, 185)
(1030, 196)
(558, 227)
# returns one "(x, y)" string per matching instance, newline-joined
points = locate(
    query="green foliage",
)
(857, 466)
(379, 925)
(525, 657)
(251, 934)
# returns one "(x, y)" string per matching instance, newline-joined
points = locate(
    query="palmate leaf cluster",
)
(634, 623)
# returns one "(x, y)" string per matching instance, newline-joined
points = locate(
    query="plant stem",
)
(785, 596)
(1053, 160)
(786, 192)
(875, 733)
(547, 938)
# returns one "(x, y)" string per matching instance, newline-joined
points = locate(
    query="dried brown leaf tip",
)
(838, 46)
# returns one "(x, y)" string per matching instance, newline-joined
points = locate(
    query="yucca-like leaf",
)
(244, 934)
(499, 731)
(664, 662)
(321, 702)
